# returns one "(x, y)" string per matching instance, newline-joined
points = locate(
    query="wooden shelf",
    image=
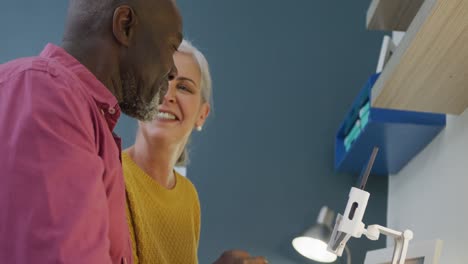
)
(429, 70)
(392, 15)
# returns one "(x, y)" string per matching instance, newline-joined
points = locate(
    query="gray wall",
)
(285, 73)
(429, 194)
(28, 25)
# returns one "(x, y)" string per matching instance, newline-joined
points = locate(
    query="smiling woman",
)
(162, 206)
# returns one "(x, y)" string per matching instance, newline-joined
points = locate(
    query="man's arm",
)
(51, 186)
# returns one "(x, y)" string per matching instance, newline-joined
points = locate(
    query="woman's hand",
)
(239, 257)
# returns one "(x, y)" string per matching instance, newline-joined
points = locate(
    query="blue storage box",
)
(400, 135)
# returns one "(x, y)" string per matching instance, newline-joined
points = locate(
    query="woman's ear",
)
(203, 114)
(123, 24)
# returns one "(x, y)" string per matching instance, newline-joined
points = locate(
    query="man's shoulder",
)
(12, 68)
(17, 67)
(45, 83)
(43, 73)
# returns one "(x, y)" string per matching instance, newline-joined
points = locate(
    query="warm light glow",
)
(313, 249)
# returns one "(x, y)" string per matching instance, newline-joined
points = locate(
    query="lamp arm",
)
(350, 225)
(401, 240)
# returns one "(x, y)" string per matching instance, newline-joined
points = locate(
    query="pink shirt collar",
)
(104, 99)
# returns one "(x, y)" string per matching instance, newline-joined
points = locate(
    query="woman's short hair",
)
(205, 86)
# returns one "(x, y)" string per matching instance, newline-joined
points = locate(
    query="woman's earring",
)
(199, 128)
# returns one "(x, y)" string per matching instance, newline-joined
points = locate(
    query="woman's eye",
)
(184, 88)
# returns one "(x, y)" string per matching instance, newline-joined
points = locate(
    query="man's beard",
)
(132, 104)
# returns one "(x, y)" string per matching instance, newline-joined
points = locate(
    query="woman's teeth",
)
(164, 115)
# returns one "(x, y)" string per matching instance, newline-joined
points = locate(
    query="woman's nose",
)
(170, 96)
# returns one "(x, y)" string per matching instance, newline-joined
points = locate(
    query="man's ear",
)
(123, 24)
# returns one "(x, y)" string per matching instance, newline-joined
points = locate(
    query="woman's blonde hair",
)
(205, 87)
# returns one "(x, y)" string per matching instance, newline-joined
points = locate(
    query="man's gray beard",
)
(131, 103)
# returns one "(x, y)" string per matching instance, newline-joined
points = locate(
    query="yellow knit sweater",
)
(164, 224)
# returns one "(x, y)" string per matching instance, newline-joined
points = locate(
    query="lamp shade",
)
(312, 244)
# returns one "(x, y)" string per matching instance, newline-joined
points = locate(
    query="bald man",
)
(62, 196)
